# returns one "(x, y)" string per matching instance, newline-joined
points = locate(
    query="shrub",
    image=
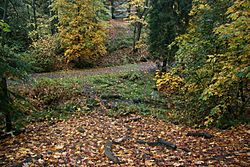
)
(44, 54)
(168, 83)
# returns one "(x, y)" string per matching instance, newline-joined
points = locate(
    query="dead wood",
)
(200, 134)
(108, 152)
(159, 142)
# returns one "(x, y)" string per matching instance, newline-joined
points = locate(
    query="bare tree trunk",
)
(53, 28)
(134, 36)
(139, 25)
(137, 34)
(164, 66)
(4, 107)
(129, 9)
(28, 12)
(139, 28)
(112, 9)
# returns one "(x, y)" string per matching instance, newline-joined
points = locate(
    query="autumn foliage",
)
(168, 83)
(81, 29)
(214, 56)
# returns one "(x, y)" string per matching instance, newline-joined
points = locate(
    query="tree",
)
(138, 18)
(15, 14)
(112, 9)
(10, 68)
(167, 20)
(213, 63)
(81, 29)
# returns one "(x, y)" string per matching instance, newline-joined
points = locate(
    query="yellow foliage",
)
(81, 33)
(168, 83)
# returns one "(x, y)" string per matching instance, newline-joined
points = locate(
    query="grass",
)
(58, 99)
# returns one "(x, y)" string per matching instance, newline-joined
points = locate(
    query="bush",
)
(44, 55)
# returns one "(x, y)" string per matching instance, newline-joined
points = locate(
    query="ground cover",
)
(112, 119)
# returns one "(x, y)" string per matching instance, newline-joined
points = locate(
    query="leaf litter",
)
(80, 141)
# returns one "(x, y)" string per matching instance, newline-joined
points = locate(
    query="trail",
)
(144, 66)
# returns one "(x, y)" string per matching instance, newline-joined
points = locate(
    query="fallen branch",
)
(120, 140)
(108, 148)
(133, 119)
(159, 142)
(108, 152)
(200, 134)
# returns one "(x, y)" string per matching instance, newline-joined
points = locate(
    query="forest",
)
(124, 83)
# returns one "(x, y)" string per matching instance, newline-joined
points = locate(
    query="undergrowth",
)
(58, 99)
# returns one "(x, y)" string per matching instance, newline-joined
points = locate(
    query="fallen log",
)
(159, 142)
(167, 144)
(200, 134)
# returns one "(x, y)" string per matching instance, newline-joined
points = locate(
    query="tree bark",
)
(5, 104)
(134, 36)
(112, 9)
(138, 25)
(164, 66)
(53, 22)
(4, 107)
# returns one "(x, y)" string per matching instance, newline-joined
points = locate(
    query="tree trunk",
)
(164, 66)
(112, 9)
(134, 36)
(5, 104)
(129, 10)
(28, 12)
(139, 28)
(5, 101)
(53, 22)
(139, 25)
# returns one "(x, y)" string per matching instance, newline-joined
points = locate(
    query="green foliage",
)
(44, 54)
(4, 26)
(167, 20)
(16, 15)
(213, 60)
(49, 100)
(11, 68)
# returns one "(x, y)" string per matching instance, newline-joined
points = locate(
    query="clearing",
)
(101, 137)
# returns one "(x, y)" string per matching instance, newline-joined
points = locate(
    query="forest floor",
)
(97, 139)
(80, 141)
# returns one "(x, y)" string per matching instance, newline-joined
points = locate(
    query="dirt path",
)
(144, 66)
